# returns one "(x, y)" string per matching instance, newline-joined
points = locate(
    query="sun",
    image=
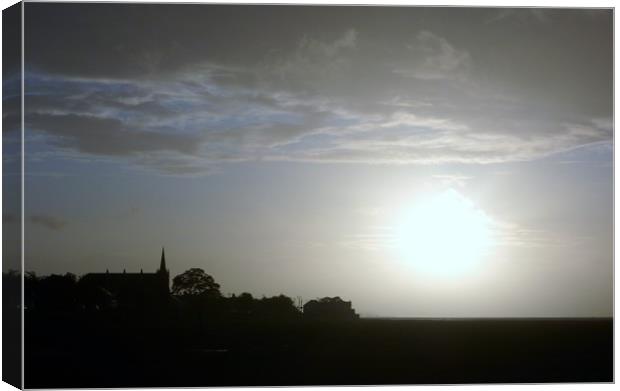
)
(444, 235)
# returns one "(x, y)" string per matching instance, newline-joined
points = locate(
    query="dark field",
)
(118, 353)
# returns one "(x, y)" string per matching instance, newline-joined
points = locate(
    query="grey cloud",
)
(450, 146)
(269, 135)
(341, 85)
(174, 164)
(399, 135)
(433, 57)
(137, 41)
(50, 222)
(312, 66)
(314, 48)
(453, 179)
(525, 16)
(105, 136)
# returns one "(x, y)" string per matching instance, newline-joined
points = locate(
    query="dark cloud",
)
(105, 136)
(50, 222)
(119, 41)
(181, 88)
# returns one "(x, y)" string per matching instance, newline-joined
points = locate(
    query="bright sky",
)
(419, 162)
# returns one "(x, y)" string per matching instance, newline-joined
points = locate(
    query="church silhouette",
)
(127, 290)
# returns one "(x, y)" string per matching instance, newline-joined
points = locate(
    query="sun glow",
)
(444, 236)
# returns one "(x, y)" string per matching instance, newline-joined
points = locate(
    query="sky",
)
(283, 149)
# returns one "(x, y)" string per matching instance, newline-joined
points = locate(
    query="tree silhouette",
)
(278, 306)
(57, 292)
(195, 282)
(329, 307)
(244, 303)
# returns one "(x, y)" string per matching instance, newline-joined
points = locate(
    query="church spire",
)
(162, 264)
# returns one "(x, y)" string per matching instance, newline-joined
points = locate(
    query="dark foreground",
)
(115, 353)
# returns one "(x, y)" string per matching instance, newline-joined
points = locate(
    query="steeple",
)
(162, 264)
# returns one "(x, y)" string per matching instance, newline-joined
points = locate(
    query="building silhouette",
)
(126, 290)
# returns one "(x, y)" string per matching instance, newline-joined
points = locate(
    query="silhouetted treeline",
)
(199, 338)
(194, 294)
(54, 292)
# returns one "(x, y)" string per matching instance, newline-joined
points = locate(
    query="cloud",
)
(403, 118)
(375, 238)
(434, 58)
(454, 180)
(49, 222)
(524, 16)
(166, 163)
(191, 123)
(504, 234)
(312, 66)
(358, 94)
(106, 136)
(514, 235)
(315, 48)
